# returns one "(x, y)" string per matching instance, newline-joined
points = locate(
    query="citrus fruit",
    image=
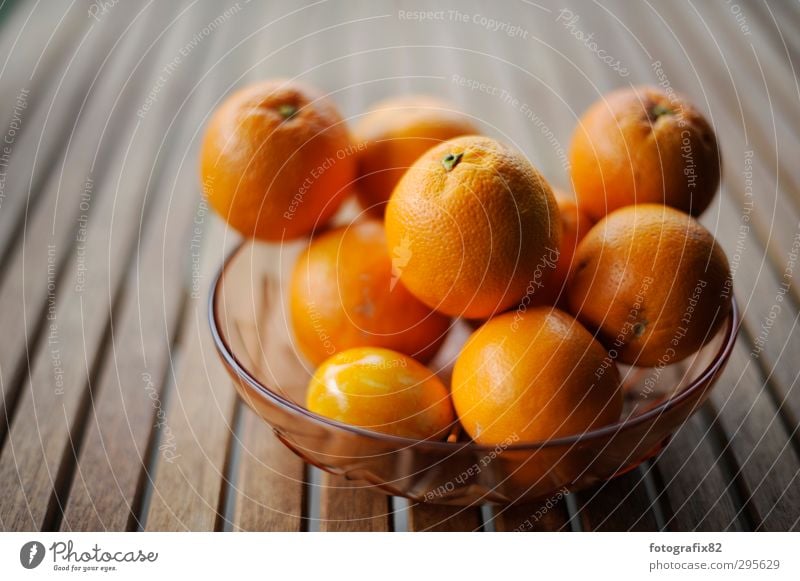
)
(394, 133)
(534, 376)
(574, 226)
(470, 227)
(381, 390)
(343, 295)
(276, 160)
(642, 145)
(653, 281)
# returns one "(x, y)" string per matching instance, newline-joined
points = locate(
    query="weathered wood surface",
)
(116, 413)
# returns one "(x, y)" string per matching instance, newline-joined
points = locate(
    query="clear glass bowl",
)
(252, 333)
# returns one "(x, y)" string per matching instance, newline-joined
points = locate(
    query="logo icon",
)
(401, 255)
(31, 554)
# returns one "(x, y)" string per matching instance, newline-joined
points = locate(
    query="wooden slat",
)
(39, 454)
(732, 467)
(761, 126)
(438, 518)
(762, 274)
(270, 483)
(321, 37)
(346, 507)
(38, 43)
(44, 255)
(109, 477)
(269, 489)
(621, 504)
(34, 39)
(763, 406)
(547, 516)
(680, 449)
(186, 493)
(490, 58)
(693, 486)
(759, 442)
(193, 492)
(775, 22)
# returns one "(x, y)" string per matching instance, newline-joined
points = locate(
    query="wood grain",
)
(438, 518)
(271, 481)
(82, 432)
(39, 259)
(694, 483)
(109, 476)
(39, 456)
(549, 515)
(347, 507)
(621, 504)
(188, 483)
(749, 411)
(32, 72)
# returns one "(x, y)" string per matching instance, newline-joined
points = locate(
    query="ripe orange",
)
(381, 390)
(343, 295)
(574, 226)
(471, 226)
(394, 133)
(534, 376)
(641, 145)
(653, 281)
(276, 160)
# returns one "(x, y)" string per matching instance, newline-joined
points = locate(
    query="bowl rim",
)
(233, 363)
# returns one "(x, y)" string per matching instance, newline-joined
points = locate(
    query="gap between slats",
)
(69, 461)
(39, 180)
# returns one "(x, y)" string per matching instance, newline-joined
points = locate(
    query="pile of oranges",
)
(558, 289)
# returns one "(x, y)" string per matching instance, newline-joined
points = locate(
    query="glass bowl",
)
(252, 333)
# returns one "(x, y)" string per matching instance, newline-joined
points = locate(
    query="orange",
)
(641, 145)
(276, 160)
(471, 227)
(653, 281)
(381, 390)
(392, 136)
(343, 295)
(574, 226)
(534, 376)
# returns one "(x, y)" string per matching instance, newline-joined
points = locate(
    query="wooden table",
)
(117, 414)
